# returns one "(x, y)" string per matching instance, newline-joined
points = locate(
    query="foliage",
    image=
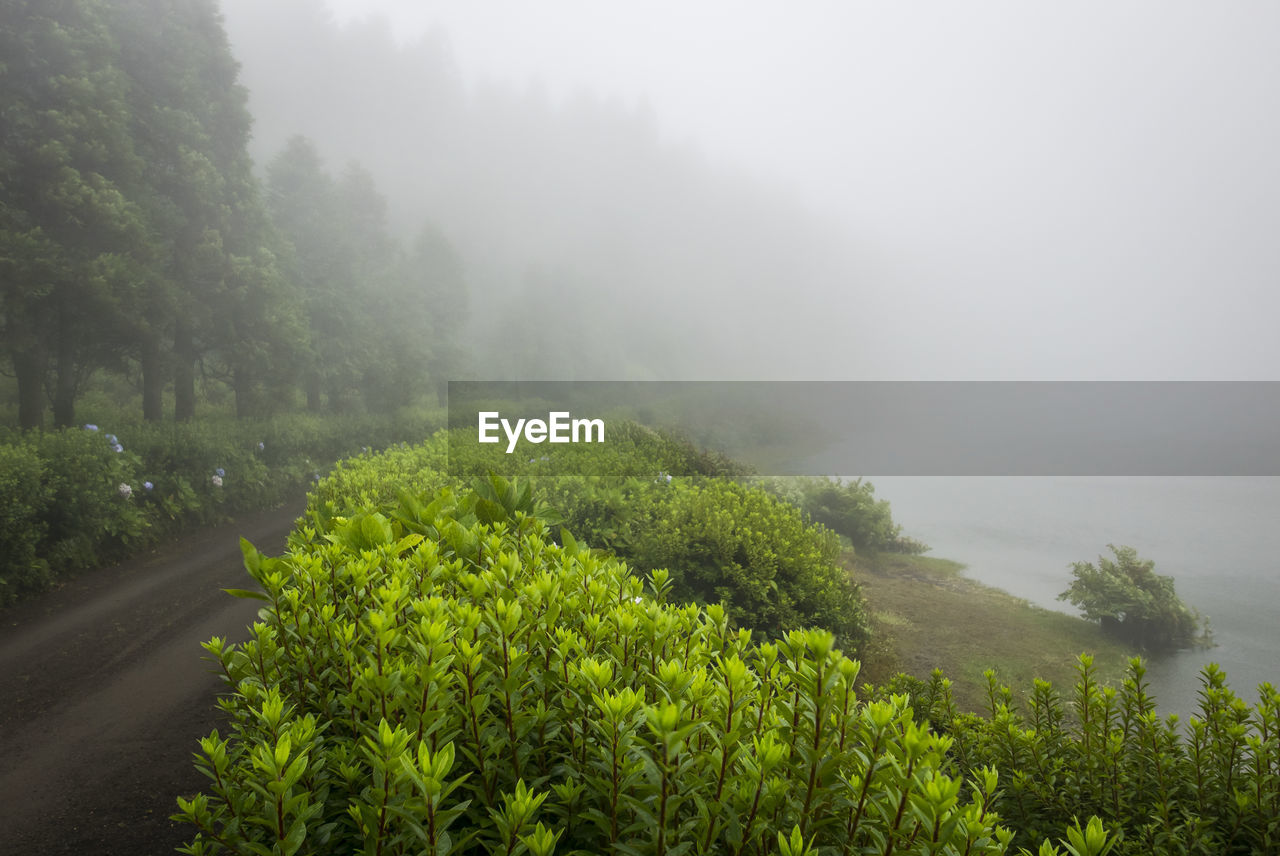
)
(135, 240)
(381, 323)
(722, 542)
(1132, 601)
(848, 508)
(423, 682)
(70, 499)
(23, 499)
(1212, 787)
(735, 545)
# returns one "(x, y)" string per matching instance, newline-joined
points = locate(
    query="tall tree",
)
(190, 120)
(302, 201)
(436, 303)
(70, 237)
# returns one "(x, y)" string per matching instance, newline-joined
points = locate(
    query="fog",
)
(853, 190)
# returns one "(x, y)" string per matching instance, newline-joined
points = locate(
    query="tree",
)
(70, 235)
(190, 122)
(435, 302)
(1132, 601)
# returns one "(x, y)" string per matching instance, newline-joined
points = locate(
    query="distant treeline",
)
(136, 240)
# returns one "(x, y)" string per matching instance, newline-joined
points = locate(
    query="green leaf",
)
(248, 594)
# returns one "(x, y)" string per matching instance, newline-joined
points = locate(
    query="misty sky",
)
(1071, 190)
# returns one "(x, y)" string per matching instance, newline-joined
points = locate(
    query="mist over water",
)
(1215, 536)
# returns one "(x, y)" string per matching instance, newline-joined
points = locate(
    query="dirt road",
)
(104, 694)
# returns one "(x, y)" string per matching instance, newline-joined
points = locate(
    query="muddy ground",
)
(104, 694)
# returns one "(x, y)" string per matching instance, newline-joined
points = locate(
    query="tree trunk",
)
(242, 383)
(152, 380)
(64, 389)
(28, 367)
(184, 374)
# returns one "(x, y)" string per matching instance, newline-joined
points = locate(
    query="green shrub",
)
(1212, 787)
(1132, 601)
(23, 501)
(722, 542)
(78, 497)
(728, 543)
(86, 519)
(421, 682)
(848, 508)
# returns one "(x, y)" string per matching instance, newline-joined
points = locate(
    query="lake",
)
(1219, 538)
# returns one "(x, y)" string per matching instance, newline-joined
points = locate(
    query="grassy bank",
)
(926, 614)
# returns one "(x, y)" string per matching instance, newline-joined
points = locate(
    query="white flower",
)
(125, 490)
(217, 481)
(636, 599)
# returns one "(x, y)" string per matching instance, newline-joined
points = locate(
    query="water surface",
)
(1219, 538)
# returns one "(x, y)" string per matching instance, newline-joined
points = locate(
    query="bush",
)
(23, 500)
(739, 546)
(847, 508)
(722, 542)
(1212, 787)
(75, 498)
(423, 682)
(1132, 601)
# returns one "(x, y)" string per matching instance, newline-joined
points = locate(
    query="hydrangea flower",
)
(148, 485)
(220, 471)
(117, 447)
(111, 438)
(217, 481)
(125, 490)
(261, 445)
(91, 427)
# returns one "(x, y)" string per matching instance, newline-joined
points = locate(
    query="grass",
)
(926, 615)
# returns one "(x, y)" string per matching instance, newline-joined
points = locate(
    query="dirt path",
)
(104, 694)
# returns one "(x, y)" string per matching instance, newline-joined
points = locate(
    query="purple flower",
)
(118, 447)
(221, 472)
(111, 438)
(148, 485)
(261, 445)
(91, 427)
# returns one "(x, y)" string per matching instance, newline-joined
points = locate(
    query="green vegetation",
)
(423, 682)
(1132, 601)
(1211, 787)
(926, 615)
(142, 263)
(75, 498)
(137, 246)
(847, 508)
(724, 542)
(438, 673)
